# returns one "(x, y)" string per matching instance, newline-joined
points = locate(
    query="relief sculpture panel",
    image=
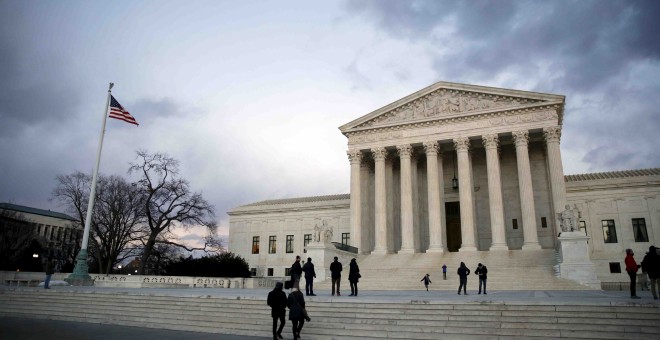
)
(446, 102)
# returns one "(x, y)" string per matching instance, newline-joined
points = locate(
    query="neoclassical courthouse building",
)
(458, 168)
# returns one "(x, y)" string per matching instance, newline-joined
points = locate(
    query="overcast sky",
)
(248, 95)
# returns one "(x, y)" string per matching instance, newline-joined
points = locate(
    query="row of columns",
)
(437, 241)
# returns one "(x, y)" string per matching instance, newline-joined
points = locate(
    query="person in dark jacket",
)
(277, 301)
(296, 304)
(427, 280)
(335, 270)
(482, 271)
(631, 269)
(353, 277)
(651, 266)
(50, 270)
(310, 275)
(296, 270)
(463, 273)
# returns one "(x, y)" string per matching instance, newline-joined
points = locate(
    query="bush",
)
(219, 265)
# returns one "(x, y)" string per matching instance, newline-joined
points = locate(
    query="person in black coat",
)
(310, 274)
(463, 273)
(335, 270)
(296, 271)
(651, 266)
(353, 277)
(277, 301)
(482, 271)
(297, 314)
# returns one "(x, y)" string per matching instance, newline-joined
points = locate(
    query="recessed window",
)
(639, 229)
(514, 222)
(345, 238)
(253, 271)
(544, 223)
(272, 244)
(609, 231)
(289, 244)
(615, 267)
(255, 244)
(270, 271)
(307, 239)
(287, 271)
(583, 227)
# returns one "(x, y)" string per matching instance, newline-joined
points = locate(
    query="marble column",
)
(465, 194)
(407, 221)
(355, 158)
(380, 217)
(530, 235)
(556, 170)
(491, 143)
(434, 197)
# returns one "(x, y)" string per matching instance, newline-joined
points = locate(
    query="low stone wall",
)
(151, 281)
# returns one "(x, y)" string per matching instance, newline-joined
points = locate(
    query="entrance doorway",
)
(453, 212)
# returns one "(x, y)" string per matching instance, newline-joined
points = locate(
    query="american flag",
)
(118, 112)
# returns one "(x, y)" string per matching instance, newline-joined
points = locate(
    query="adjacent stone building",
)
(457, 168)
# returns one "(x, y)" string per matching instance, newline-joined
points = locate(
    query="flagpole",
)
(80, 275)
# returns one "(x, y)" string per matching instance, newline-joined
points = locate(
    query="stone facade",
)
(452, 167)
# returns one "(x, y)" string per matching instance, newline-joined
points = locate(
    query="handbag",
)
(304, 311)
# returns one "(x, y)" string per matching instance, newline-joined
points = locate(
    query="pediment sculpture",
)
(445, 102)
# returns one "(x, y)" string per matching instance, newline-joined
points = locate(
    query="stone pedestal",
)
(575, 264)
(322, 255)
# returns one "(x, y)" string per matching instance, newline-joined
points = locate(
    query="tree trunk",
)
(148, 247)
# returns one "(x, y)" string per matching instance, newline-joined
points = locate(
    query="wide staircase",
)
(507, 270)
(351, 319)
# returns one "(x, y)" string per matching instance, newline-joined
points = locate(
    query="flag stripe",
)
(118, 112)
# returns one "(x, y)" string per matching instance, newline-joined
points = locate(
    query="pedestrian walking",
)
(482, 271)
(427, 280)
(631, 268)
(310, 275)
(463, 273)
(353, 277)
(50, 270)
(444, 271)
(277, 301)
(335, 274)
(297, 312)
(651, 266)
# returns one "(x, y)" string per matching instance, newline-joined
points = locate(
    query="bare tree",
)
(169, 203)
(115, 219)
(118, 212)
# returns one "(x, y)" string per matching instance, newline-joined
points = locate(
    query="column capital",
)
(462, 144)
(521, 138)
(431, 147)
(380, 153)
(552, 134)
(491, 141)
(354, 156)
(405, 150)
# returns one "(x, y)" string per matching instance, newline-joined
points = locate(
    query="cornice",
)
(496, 118)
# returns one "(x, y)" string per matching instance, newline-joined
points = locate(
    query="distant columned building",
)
(458, 168)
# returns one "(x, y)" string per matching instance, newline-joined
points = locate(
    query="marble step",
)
(343, 319)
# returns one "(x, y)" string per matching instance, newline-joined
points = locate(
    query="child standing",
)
(426, 280)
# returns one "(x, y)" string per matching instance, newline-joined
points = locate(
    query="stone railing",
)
(150, 281)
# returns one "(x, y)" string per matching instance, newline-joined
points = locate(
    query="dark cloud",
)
(36, 86)
(591, 51)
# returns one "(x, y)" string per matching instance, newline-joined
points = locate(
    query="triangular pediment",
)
(444, 100)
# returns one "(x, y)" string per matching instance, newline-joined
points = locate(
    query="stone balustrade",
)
(151, 281)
